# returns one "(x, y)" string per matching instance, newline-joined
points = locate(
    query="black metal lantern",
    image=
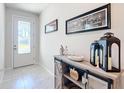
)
(107, 45)
(94, 53)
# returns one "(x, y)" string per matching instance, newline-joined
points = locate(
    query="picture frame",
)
(52, 26)
(94, 20)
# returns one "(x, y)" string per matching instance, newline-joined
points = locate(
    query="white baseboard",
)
(47, 70)
(9, 68)
(1, 75)
(36, 63)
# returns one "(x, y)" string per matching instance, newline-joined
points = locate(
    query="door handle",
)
(14, 47)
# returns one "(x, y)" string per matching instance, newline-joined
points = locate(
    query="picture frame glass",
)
(51, 27)
(94, 20)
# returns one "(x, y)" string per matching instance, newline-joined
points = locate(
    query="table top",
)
(85, 65)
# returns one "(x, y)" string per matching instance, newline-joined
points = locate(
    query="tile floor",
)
(28, 77)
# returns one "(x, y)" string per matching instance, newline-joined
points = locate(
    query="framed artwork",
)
(97, 19)
(51, 27)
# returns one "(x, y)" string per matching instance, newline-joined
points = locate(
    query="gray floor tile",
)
(29, 77)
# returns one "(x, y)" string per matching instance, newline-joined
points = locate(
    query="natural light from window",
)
(24, 37)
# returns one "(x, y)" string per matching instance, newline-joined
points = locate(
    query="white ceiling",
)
(31, 7)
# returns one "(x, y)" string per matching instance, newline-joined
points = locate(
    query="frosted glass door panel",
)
(24, 37)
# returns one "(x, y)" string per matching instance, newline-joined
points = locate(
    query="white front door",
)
(23, 52)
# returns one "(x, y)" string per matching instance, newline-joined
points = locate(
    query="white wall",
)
(8, 34)
(77, 43)
(2, 31)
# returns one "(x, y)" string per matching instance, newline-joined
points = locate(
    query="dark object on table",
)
(94, 48)
(107, 45)
(104, 50)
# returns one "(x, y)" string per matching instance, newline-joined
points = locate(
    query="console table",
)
(96, 77)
